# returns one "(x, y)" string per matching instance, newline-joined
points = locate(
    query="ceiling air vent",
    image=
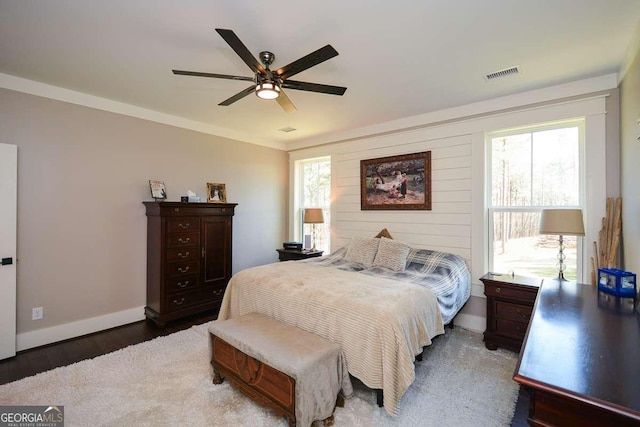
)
(287, 129)
(503, 73)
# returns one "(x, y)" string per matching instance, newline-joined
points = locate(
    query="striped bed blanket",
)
(381, 323)
(444, 274)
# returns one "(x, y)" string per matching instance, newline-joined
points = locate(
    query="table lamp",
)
(561, 222)
(313, 216)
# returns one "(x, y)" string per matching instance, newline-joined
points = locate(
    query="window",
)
(531, 169)
(315, 192)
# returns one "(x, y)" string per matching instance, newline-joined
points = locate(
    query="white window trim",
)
(296, 212)
(537, 127)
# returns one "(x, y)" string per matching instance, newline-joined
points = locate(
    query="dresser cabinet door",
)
(216, 250)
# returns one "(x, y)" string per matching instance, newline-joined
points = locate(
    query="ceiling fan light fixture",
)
(267, 90)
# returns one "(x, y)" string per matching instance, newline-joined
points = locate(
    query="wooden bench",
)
(280, 366)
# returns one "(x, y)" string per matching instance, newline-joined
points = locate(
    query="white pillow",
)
(391, 254)
(362, 250)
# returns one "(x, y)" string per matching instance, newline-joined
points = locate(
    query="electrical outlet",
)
(36, 313)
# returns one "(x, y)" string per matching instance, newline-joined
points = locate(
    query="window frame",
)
(298, 203)
(580, 123)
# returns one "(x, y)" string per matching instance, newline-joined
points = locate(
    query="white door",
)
(8, 224)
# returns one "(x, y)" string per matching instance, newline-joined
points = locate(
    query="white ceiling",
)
(397, 58)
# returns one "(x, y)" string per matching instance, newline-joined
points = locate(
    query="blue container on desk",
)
(617, 282)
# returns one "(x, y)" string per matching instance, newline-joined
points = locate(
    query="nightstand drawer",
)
(511, 292)
(511, 329)
(518, 312)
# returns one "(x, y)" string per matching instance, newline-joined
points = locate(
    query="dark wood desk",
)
(581, 358)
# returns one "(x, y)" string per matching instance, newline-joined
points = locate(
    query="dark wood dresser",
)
(510, 302)
(580, 359)
(188, 258)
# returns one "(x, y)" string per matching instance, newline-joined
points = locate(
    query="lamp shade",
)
(564, 222)
(313, 216)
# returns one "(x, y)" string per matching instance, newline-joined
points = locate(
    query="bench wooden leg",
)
(217, 378)
(379, 397)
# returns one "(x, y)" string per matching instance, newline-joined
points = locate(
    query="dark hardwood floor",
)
(30, 362)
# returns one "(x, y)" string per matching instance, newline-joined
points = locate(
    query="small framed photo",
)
(158, 190)
(216, 192)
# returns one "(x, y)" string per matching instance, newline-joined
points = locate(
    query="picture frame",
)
(158, 190)
(400, 182)
(216, 192)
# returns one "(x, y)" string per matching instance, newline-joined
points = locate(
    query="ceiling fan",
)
(269, 84)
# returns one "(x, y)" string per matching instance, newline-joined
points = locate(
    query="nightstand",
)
(294, 255)
(510, 302)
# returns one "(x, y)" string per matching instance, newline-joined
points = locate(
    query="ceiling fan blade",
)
(285, 102)
(238, 96)
(314, 58)
(314, 87)
(242, 51)
(217, 76)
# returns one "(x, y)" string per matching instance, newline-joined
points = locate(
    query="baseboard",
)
(39, 337)
(471, 322)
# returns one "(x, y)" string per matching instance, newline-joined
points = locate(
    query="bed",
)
(382, 313)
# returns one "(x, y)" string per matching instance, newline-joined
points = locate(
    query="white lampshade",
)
(313, 216)
(564, 222)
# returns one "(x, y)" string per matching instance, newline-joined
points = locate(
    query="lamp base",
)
(561, 277)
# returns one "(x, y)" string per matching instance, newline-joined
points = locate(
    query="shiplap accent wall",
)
(457, 222)
(447, 227)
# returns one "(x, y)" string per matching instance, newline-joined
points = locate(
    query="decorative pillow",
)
(391, 254)
(362, 250)
(384, 233)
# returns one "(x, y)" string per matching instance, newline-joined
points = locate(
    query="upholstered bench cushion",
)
(314, 362)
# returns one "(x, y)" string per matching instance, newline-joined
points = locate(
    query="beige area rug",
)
(167, 382)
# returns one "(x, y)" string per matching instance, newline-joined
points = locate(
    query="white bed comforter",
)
(381, 324)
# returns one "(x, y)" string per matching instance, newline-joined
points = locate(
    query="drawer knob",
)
(218, 292)
(176, 209)
(498, 290)
(183, 285)
(181, 240)
(183, 270)
(176, 302)
(183, 256)
(184, 226)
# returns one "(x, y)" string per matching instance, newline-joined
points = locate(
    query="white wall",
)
(630, 165)
(82, 176)
(457, 222)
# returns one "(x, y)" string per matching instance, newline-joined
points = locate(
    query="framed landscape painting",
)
(396, 182)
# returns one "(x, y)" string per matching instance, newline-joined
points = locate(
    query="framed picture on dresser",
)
(158, 190)
(216, 192)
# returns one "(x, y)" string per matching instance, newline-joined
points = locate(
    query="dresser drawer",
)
(181, 268)
(181, 301)
(506, 291)
(182, 254)
(181, 225)
(181, 283)
(182, 240)
(212, 293)
(508, 310)
(511, 329)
